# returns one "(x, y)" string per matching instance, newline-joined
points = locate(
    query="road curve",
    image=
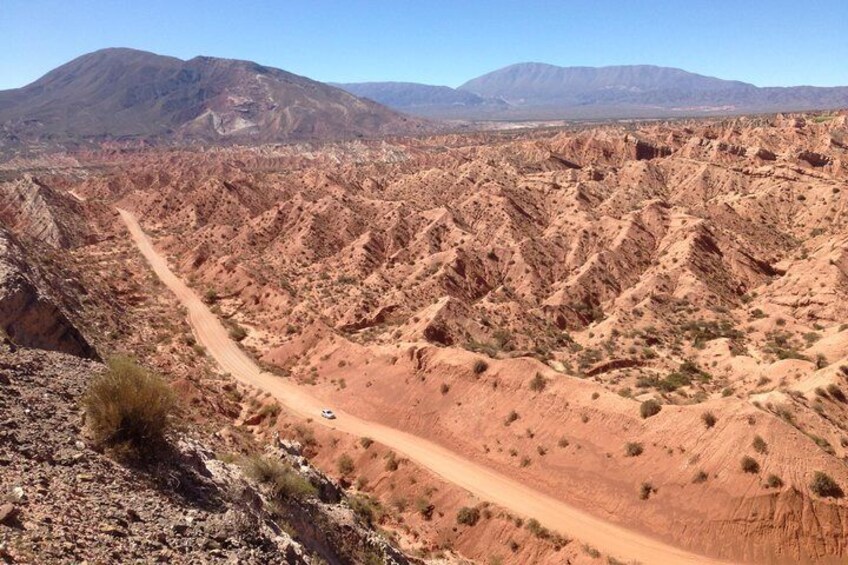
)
(477, 479)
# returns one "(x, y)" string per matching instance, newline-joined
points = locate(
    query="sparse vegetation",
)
(633, 449)
(511, 417)
(237, 332)
(709, 419)
(538, 383)
(129, 408)
(283, 481)
(835, 392)
(700, 477)
(773, 481)
(649, 408)
(468, 516)
(823, 485)
(646, 489)
(480, 367)
(345, 464)
(759, 445)
(750, 465)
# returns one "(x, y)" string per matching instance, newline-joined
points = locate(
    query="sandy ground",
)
(477, 479)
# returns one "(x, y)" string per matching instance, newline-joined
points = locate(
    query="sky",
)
(768, 43)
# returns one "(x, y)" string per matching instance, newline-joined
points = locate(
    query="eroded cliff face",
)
(28, 314)
(31, 207)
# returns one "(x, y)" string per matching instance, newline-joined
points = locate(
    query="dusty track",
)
(476, 479)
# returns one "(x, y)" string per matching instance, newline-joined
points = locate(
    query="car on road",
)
(327, 413)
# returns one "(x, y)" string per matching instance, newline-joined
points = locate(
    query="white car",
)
(327, 413)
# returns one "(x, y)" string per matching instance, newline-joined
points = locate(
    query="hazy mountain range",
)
(537, 90)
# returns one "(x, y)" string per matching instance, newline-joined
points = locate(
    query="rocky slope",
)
(64, 500)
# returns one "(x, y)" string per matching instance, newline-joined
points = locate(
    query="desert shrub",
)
(345, 464)
(392, 463)
(759, 445)
(633, 449)
(650, 408)
(563, 442)
(535, 528)
(591, 551)
(368, 509)
(480, 367)
(129, 408)
(238, 333)
(836, 392)
(646, 489)
(425, 508)
(822, 443)
(511, 417)
(283, 480)
(700, 477)
(709, 419)
(824, 485)
(210, 296)
(773, 481)
(538, 383)
(445, 388)
(750, 465)
(467, 516)
(366, 442)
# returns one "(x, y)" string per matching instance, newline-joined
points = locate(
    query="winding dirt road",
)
(473, 477)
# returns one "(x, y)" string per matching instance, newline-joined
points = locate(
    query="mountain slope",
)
(538, 83)
(422, 99)
(537, 90)
(124, 93)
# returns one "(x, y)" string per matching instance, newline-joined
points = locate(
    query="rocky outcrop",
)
(28, 315)
(30, 207)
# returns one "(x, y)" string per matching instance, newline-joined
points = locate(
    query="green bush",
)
(345, 464)
(836, 392)
(129, 408)
(283, 480)
(467, 516)
(750, 465)
(237, 332)
(773, 481)
(538, 383)
(480, 366)
(633, 449)
(650, 408)
(646, 490)
(824, 485)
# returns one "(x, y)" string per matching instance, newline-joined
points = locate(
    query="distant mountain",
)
(528, 91)
(538, 83)
(422, 99)
(127, 94)
(540, 90)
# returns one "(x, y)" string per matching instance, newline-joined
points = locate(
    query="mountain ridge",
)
(534, 90)
(121, 93)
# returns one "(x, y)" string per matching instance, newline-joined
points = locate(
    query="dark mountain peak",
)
(121, 93)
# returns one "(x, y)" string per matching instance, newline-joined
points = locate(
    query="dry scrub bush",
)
(129, 408)
(285, 482)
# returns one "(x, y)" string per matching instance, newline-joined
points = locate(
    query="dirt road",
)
(473, 477)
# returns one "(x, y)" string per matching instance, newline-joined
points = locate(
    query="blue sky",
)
(441, 42)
